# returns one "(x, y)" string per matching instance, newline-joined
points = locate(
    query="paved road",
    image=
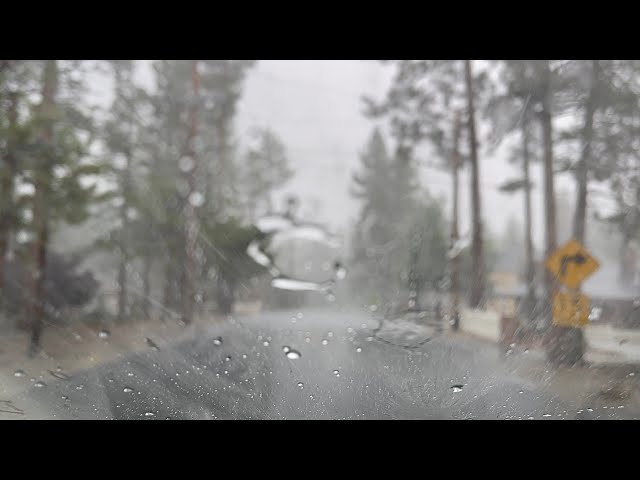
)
(239, 370)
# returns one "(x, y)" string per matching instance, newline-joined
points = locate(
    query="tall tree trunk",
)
(564, 345)
(124, 243)
(582, 173)
(414, 283)
(549, 187)
(192, 226)
(120, 79)
(167, 297)
(8, 169)
(146, 286)
(43, 174)
(455, 261)
(530, 266)
(477, 260)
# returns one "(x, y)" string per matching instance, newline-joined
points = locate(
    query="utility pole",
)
(455, 236)
(477, 260)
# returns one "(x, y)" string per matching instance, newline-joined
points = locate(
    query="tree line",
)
(572, 117)
(159, 171)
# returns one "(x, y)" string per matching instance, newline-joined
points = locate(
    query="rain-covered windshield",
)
(280, 239)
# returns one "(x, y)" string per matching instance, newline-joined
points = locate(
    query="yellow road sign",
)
(570, 309)
(571, 264)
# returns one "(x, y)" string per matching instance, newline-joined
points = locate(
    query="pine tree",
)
(266, 168)
(121, 132)
(424, 104)
(192, 170)
(399, 245)
(56, 167)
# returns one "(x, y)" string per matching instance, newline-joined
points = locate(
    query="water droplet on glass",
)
(265, 343)
(18, 373)
(127, 390)
(300, 384)
(129, 374)
(547, 415)
(286, 349)
(196, 199)
(104, 334)
(336, 373)
(521, 392)
(456, 388)
(632, 374)
(40, 384)
(244, 355)
(325, 342)
(217, 341)
(341, 273)
(293, 355)
(307, 340)
(149, 414)
(227, 358)
(359, 349)
(186, 164)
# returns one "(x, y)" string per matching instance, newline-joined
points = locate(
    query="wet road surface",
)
(308, 364)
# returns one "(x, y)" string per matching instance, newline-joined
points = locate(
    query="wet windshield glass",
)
(398, 239)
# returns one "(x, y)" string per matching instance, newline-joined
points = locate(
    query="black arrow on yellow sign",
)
(578, 259)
